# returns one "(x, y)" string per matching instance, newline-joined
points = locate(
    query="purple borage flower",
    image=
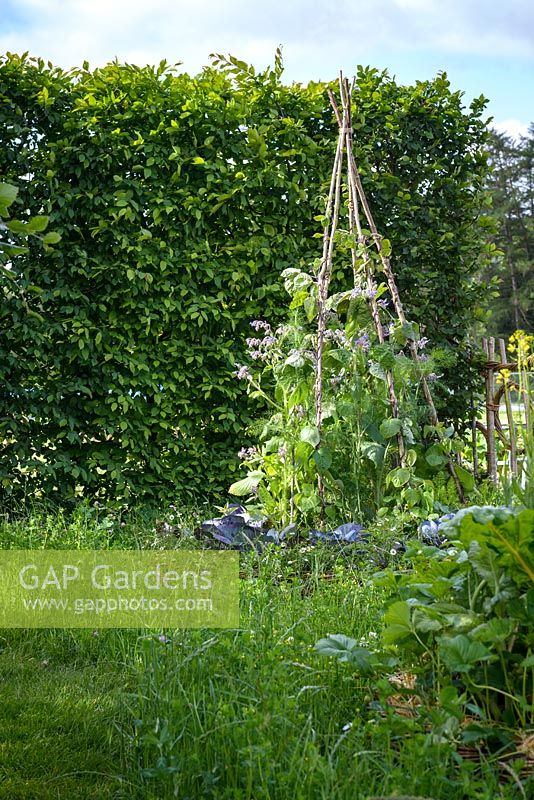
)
(247, 452)
(259, 346)
(260, 324)
(298, 411)
(243, 373)
(363, 342)
(337, 336)
(341, 337)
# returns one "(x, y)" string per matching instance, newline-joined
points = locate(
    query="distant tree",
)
(511, 185)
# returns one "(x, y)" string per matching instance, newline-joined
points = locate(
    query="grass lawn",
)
(60, 705)
(248, 714)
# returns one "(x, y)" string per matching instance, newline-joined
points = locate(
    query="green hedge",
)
(179, 201)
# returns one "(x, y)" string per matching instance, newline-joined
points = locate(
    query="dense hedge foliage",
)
(179, 201)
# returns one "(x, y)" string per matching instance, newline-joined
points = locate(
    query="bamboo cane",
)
(323, 283)
(355, 223)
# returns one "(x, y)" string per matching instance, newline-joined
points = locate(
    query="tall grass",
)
(245, 714)
(254, 714)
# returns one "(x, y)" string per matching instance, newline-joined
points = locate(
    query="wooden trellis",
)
(359, 208)
(495, 394)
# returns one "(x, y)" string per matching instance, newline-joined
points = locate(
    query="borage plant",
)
(281, 477)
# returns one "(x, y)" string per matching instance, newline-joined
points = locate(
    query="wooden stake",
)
(509, 413)
(474, 439)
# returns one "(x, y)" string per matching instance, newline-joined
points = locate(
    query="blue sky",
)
(485, 46)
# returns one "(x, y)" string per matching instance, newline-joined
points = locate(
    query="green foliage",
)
(16, 230)
(461, 622)
(175, 224)
(521, 345)
(252, 713)
(60, 703)
(356, 451)
(179, 201)
(423, 167)
(298, 724)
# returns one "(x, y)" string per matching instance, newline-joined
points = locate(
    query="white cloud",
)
(422, 6)
(136, 31)
(475, 41)
(511, 127)
(68, 31)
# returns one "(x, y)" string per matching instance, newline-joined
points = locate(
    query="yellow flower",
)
(521, 344)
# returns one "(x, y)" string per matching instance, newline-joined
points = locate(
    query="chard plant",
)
(460, 624)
